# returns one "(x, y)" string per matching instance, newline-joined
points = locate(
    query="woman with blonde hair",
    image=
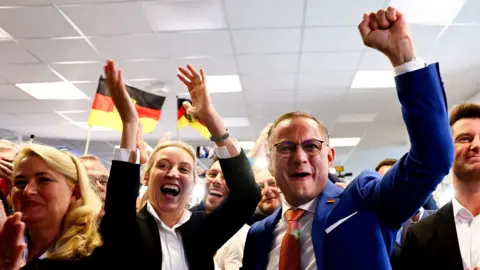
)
(57, 204)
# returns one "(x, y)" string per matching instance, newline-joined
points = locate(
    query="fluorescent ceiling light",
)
(223, 84)
(236, 121)
(246, 145)
(439, 12)
(344, 142)
(80, 124)
(373, 79)
(356, 118)
(4, 35)
(84, 125)
(53, 91)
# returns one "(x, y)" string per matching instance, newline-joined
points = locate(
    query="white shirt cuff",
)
(222, 151)
(415, 64)
(122, 154)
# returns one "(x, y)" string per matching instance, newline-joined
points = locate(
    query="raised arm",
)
(238, 207)
(406, 187)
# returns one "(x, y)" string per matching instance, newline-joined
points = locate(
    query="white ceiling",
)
(289, 54)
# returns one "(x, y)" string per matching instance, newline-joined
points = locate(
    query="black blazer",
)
(132, 239)
(432, 243)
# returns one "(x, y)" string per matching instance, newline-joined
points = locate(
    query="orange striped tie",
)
(290, 248)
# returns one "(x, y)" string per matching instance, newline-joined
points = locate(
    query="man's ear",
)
(331, 156)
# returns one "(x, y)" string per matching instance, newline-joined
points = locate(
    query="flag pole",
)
(89, 136)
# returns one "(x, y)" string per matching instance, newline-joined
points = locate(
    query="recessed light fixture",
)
(344, 142)
(52, 91)
(373, 79)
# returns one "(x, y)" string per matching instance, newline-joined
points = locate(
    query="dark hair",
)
(464, 110)
(386, 162)
(298, 114)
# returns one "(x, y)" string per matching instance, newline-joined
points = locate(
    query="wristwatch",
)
(221, 138)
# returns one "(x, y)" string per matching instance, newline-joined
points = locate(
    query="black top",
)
(132, 239)
(432, 243)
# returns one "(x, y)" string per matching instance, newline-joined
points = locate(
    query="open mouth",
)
(300, 174)
(215, 193)
(170, 189)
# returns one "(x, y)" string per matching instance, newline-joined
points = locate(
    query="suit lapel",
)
(447, 235)
(264, 245)
(150, 235)
(325, 204)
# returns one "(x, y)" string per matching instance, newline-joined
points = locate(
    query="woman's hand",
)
(12, 245)
(124, 105)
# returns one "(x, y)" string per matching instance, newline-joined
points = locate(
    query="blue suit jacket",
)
(376, 207)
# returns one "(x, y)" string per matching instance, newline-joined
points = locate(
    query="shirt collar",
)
(308, 207)
(460, 212)
(183, 219)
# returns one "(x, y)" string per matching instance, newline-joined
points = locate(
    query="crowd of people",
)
(60, 211)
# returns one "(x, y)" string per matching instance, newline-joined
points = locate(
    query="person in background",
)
(322, 226)
(271, 195)
(98, 175)
(8, 150)
(450, 238)
(55, 205)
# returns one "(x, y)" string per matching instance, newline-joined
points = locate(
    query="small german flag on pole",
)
(184, 119)
(104, 113)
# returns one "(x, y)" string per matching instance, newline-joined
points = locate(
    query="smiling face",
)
(170, 179)
(41, 193)
(466, 138)
(300, 176)
(216, 187)
(270, 192)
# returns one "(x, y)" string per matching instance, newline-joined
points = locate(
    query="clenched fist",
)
(388, 32)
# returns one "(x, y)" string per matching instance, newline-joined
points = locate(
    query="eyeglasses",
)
(310, 147)
(101, 180)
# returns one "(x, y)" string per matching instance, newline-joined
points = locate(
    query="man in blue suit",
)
(321, 226)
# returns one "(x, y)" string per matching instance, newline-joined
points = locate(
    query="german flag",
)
(184, 119)
(104, 113)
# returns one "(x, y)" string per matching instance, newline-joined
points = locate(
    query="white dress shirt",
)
(230, 255)
(307, 259)
(468, 234)
(173, 254)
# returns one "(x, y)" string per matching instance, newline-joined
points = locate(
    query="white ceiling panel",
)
(261, 83)
(267, 40)
(28, 73)
(88, 88)
(232, 110)
(272, 96)
(157, 69)
(71, 50)
(131, 47)
(269, 13)
(39, 118)
(469, 12)
(374, 60)
(220, 65)
(185, 15)
(331, 95)
(339, 12)
(315, 62)
(11, 92)
(11, 52)
(60, 2)
(222, 99)
(80, 72)
(263, 112)
(332, 39)
(109, 18)
(201, 43)
(349, 130)
(35, 22)
(425, 37)
(268, 63)
(24, 2)
(327, 79)
(7, 120)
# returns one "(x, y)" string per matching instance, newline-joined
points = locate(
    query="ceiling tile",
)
(24, 2)
(39, 118)
(131, 47)
(232, 110)
(221, 99)
(35, 22)
(425, 36)
(374, 60)
(469, 13)
(109, 18)
(206, 43)
(315, 62)
(28, 73)
(267, 40)
(264, 14)
(11, 92)
(61, 50)
(88, 88)
(156, 69)
(327, 79)
(219, 65)
(340, 12)
(269, 63)
(11, 52)
(263, 112)
(349, 130)
(270, 96)
(185, 15)
(266, 82)
(88, 1)
(331, 95)
(332, 39)
(80, 72)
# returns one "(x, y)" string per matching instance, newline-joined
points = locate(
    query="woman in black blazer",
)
(137, 241)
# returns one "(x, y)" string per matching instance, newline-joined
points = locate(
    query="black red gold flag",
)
(184, 119)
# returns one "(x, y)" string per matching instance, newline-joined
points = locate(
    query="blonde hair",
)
(151, 162)
(89, 158)
(79, 236)
(8, 144)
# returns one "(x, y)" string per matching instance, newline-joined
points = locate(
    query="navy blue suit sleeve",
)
(406, 187)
